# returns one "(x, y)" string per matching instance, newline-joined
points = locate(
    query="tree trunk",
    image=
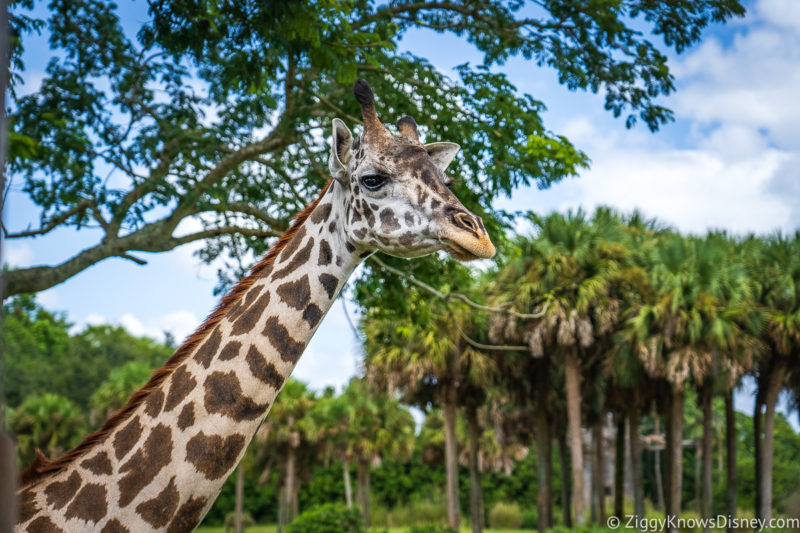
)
(619, 469)
(543, 465)
(730, 457)
(636, 461)
(657, 468)
(774, 387)
(706, 394)
(291, 485)
(566, 492)
(572, 372)
(758, 418)
(348, 489)
(675, 458)
(450, 459)
(475, 488)
(599, 474)
(237, 524)
(362, 488)
(282, 508)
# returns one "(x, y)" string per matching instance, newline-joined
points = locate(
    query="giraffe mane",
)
(42, 466)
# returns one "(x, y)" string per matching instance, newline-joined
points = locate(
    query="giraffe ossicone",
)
(160, 462)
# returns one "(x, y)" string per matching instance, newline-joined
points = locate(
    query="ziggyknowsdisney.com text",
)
(648, 524)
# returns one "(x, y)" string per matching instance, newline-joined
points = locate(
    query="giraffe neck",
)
(161, 467)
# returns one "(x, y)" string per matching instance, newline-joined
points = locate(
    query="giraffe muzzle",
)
(465, 237)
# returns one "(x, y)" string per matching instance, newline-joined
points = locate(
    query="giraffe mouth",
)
(484, 250)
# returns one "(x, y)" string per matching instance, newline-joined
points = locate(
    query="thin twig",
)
(481, 346)
(458, 296)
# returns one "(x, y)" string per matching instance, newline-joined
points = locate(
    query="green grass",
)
(274, 529)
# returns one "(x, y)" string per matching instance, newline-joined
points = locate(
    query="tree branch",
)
(53, 222)
(458, 296)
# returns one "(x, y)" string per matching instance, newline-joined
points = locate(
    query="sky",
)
(730, 160)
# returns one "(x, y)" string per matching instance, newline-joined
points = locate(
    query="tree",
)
(49, 422)
(113, 394)
(282, 437)
(210, 117)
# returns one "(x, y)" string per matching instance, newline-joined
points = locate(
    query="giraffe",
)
(160, 462)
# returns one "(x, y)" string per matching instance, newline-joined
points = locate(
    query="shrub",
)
(230, 521)
(530, 518)
(328, 518)
(431, 528)
(505, 516)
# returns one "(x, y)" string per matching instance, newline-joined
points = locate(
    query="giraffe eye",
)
(373, 182)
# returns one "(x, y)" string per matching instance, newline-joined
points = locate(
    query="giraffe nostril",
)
(468, 222)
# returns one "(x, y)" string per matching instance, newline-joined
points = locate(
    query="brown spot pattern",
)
(158, 511)
(182, 384)
(89, 504)
(206, 352)
(100, 464)
(389, 221)
(300, 258)
(186, 418)
(292, 245)
(188, 516)
(295, 293)
(127, 437)
(321, 213)
(247, 321)
(230, 351)
(329, 283)
(43, 525)
(155, 400)
(325, 253)
(224, 396)
(288, 348)
(312, 315)
(263, 369)
(213, 455)
(114, 526)
(59, 493)
(27, 506)
(145, 464)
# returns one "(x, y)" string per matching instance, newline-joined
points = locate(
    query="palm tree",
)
(776, 271)
(423, 356)
(571, 269)
(114, 392)
(48, 422)
(283, 438)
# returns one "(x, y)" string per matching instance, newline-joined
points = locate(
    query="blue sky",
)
(730, 161)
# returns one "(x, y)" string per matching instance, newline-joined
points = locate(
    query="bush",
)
(431, 528)
(328, 518)
(230, 521)
(530, 518)
(505, 516)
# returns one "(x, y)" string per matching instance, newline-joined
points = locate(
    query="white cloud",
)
(17, 254)
(179, 323)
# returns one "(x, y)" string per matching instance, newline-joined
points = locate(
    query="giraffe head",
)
(398, 200)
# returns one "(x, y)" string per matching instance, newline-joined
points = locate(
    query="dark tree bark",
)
(572, 377)
(237, 525)
(451, 458)
(758, 419)
(543, 465)
(566, 489)
(363, 489)
(675, 458)
(636, 461)
(599, 474)
(657, 468)
(774, 386)
(619, 468)
(706, 395)
(291, 485)
(730, 457)
(475, 488)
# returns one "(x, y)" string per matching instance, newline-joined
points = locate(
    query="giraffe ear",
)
(442, 153)
(340, 150)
